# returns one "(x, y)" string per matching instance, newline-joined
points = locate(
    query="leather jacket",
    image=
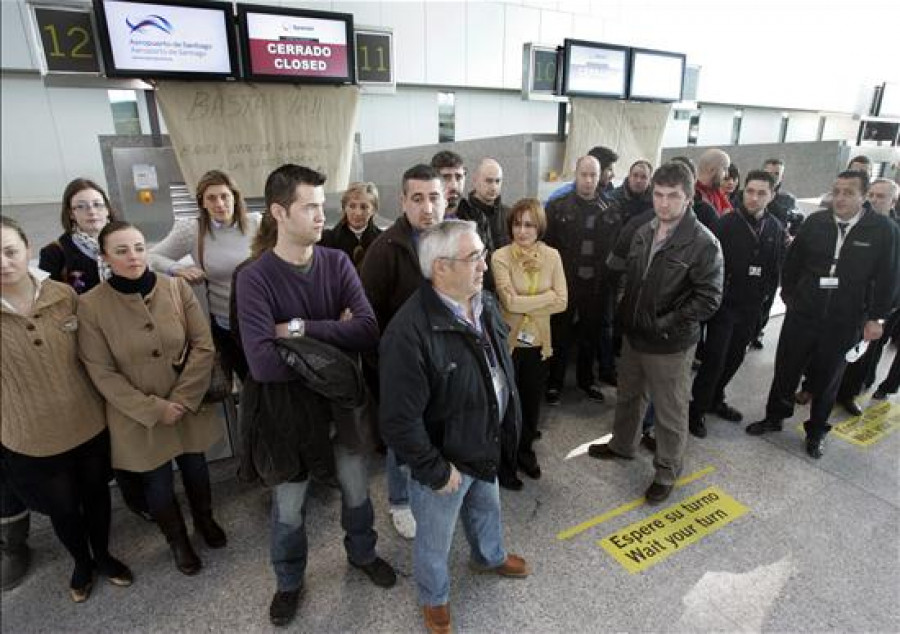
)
(667, 298)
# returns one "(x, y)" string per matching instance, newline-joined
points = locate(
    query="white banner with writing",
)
(634, 130)
(248, 130)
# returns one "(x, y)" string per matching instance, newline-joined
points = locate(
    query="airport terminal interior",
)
(757, 536)
(804, 546)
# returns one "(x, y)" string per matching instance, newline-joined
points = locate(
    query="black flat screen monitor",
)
(595, 70)
(176, 39)
(656, 75)
(296, 45)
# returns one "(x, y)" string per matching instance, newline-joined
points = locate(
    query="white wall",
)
(50, 137)
(676, 132)
(802, 126)
(716, 125)
(760, 126)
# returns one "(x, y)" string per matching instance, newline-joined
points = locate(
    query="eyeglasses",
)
(97, 204)
(472, 258)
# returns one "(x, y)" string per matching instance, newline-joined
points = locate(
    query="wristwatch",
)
(296, 327)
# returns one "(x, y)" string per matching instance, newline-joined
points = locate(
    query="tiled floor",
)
(819, 549)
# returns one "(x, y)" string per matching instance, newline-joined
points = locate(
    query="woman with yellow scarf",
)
(531, 285)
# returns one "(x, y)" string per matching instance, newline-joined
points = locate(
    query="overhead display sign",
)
(296, 45)
(594, 69)
(167, 39)
(374, 57)
(67, 40)
(541, 73)
(656, 75)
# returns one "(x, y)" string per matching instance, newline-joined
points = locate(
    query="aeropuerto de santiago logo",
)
(149, 23)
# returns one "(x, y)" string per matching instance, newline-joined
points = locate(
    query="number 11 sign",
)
(375, 59)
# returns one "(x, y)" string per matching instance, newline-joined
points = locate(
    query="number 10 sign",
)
(375, 59)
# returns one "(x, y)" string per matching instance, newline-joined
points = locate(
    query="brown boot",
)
(171, 523)
(515, 567)
(437, 618)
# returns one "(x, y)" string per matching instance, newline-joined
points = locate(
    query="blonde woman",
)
(147, 347)
(531, 285)
(356, 229)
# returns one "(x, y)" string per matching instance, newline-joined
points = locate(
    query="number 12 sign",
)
(67, 40)
(375, 59)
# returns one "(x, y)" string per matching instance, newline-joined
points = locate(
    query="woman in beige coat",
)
(531, 285)
(147, 347)
(54, 448)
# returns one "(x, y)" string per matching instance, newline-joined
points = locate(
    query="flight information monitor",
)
(656, 75)
(167, 39)
(593, 69)
(296, 45)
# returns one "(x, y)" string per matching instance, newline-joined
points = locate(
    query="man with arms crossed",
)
(297, 289)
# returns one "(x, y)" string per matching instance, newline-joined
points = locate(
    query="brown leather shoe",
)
(437, 618)
(514, 566)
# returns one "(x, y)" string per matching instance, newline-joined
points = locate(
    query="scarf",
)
(143, 285)
(714, 197)
(91, 248)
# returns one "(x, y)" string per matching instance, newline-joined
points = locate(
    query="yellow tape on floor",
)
(569, 533)
(875, 423)
(649, 541)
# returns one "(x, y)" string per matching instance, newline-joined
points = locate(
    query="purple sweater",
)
(271, 291)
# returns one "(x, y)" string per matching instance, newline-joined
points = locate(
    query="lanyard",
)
(838, 245)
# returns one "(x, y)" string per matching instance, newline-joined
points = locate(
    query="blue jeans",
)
(288, 548)
(478, 502)
(397, 481)
(159, 484)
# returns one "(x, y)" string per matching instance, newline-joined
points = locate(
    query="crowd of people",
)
(437, 340)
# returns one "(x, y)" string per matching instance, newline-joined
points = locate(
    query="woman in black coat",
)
(356, 229)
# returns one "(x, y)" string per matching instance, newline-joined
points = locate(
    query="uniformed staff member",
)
(752, 243)
(838, 285)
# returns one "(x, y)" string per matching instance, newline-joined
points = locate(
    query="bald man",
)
(583, 227)
(483, 206)
(712, 166)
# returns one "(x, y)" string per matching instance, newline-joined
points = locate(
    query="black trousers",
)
(587, 323)
(230, 352)
(816, 346)
(531, 377)
(728, 334)
(72, 488)
(861, 373)
(891, 383)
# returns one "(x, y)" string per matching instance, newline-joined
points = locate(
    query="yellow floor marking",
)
(654, 538)
(876, 422)
(628, 506)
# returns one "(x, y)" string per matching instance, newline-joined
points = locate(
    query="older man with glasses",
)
(449, 410)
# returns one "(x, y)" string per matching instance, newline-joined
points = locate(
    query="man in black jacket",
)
(838, 284)
(882, 196)
(483, 205)
(753, 249)
(673, 283)
(582, 227)
(450, 406)
(390, 273)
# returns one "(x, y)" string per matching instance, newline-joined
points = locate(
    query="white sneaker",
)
(404, 522)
